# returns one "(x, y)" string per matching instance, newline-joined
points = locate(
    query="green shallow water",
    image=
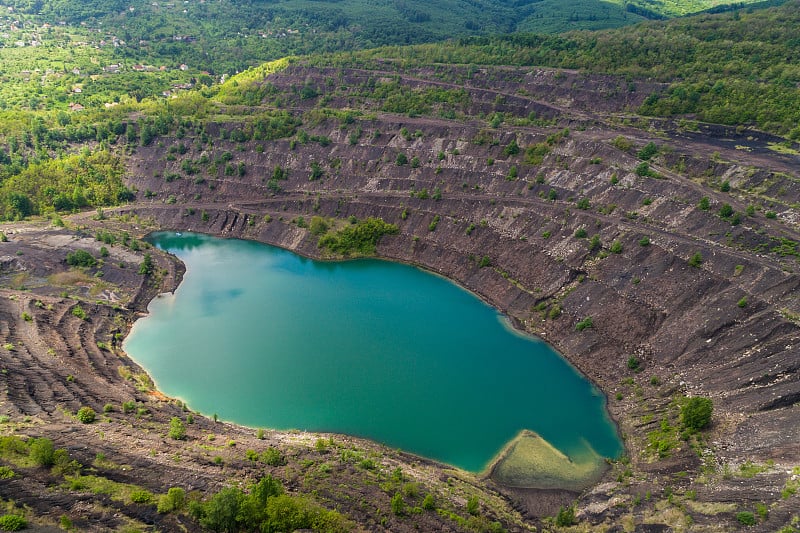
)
(266, 338)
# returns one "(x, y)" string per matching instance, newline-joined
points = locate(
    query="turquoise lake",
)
(266, 338)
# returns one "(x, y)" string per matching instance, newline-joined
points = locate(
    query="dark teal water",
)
(266, 338)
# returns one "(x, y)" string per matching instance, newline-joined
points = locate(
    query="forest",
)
(67, 103)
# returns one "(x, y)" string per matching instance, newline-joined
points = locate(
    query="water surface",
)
(266, 338)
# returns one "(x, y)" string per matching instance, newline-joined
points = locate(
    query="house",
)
(76, 107)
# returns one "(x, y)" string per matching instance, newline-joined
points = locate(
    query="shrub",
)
(12, 522)
(647, 153)
(725, 211)
(173, 500)
(584, 204)
(644, 241)
(81, 258)
(128, 407)
(616, 247)
(401, 159)
(6, 472)
(584, 324)
(318, 226)
(746, 518)
(41, 451)
(633, 364)
(696, 260)
(743, 302)
(108, 408)
(86, 415)
(511, 148)
(177, 430)
(565, 516)
(642, 169)
(581, 233)
(696, 413)
(146, 267)
(398, 505)
(141, 496)
(473, 505)
(273, 457)
(428, 503)
(78, 311)
(704, 204)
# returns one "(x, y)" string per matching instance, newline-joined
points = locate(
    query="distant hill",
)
(230, 35)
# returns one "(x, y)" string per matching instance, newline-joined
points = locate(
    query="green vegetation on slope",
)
(734, 68)
(358, 239)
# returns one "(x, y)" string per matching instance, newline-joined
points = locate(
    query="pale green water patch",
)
(266, 338)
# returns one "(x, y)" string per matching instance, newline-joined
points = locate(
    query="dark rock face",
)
(663, 325)
(726, 327)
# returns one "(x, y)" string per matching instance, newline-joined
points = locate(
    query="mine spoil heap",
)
(619, 266)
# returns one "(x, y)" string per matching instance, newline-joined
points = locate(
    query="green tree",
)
(177, 430)
(147, 266)
(696, 412)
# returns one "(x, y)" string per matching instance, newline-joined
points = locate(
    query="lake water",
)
(266, 338)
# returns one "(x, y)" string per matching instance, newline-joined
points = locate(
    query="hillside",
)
(244, 33)
(658, 252)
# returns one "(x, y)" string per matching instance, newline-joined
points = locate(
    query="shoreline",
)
(507, 322)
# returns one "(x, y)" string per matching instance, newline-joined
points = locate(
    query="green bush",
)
(473, 505)
(141, 496)
(746, 518)
(361, 238)
(173, 500)
(584, 324)
(79, 312)
(81, 258)
(696, 413)
(616, 247)
(428, 503)
(644, 241)
(580, 233)
(565, 516)
(6, 472)
(12, 522)
(146, 267)
(86, 415)
(647, 153)
(633, 364)
(696, 260)
(177, 430)
(273, 457)
(41, 451)
(398, 505)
